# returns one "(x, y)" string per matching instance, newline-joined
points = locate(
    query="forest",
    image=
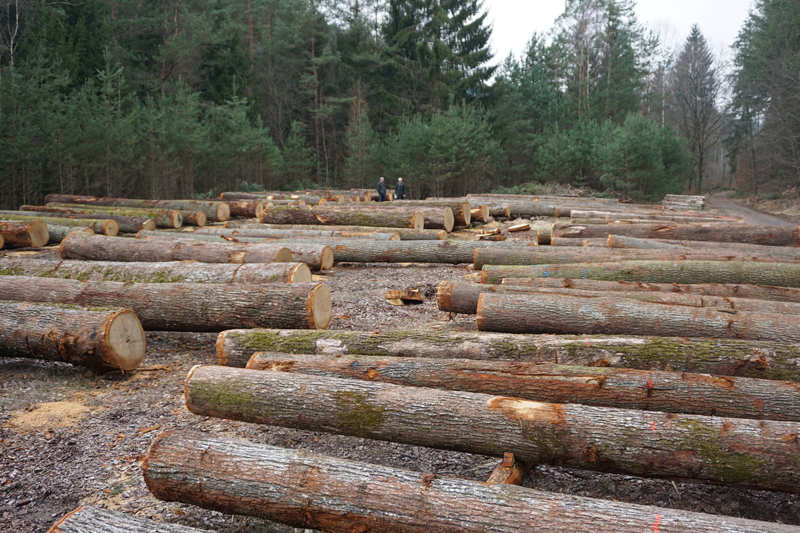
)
(188, 98)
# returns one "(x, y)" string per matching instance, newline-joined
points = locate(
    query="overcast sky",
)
(514, 21)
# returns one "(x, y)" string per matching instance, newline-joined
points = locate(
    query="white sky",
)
(515, 21)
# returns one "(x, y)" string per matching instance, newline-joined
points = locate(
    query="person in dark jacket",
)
(381, 190)
(400, 189)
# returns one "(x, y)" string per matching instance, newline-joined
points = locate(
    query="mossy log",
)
(301, 234)
(101, 248)
(92, 519)
(187, 306)
(549, 255)
(558, 313)
(22, 233)
(724, 290)
(769, 235)
(736, 272)
(753, 454)
(161, 218)
(673, 392)
(308, 490)
(578, 216)
(406, 234)
(127, 224)
(287, 214)
(359, 215)
(316, 254)
(729, 357)
(215, 211)
(163, 272)
(705, 247)
(101, 339)
(450, 252)
(246, 208)
(59, 233)
(102, 226)
(463, 298)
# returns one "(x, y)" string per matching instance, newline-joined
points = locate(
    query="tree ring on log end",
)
(319, 307)
(326, 258)
(126, 339)
(284, 255)
(417, 221)
(300, 273)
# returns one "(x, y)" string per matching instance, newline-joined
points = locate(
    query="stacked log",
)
(101, 248)
(103, 340)
(558, 314)
(307, 490)
(92, 519)
(316, 254)
(164, 272)
(301, 234)
(682, 201)
(580, 216)
(647, 390)
(747, 273)
(349, 215)
(161, 218)
(187, 306)
(56, 234)
(406, 234)
(104, 226)
(27, 234)
(621, 241)
(126, 224)
(449, 252)
(769, 235)
(460, 207)
(755, 454)
(287, 214)
(728, 357)
(214, 211)
(246, 208)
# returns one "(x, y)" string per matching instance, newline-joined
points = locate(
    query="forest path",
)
(752, 217)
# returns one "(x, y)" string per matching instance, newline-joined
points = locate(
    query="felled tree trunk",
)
(704, 247)
(749, 273)
(246, 208)
(24, 233)
(280, 214)
(56, 234)
(187, 306)
(126, 224)
(215, 211)
(755, 454)
(102, 225)
(164, 272)
(770, 235)
(451, 252)
(307, 490)
(755, 359)
(578, 216)
(724, 290)
(100, 248)
(460, 208)
(674, 392)
(545, 313)
(161, 218)
(406, 234)
(96, 520)
(560, 256)
(358, 215)
(480, 214)
(111, 339)
(317, 255)
(301, 234)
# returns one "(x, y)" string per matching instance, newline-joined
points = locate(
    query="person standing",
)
(400, 189)
(381, 190)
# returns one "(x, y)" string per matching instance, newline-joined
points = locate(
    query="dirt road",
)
(721, 201)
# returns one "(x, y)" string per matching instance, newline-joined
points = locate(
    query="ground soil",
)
(69, 437)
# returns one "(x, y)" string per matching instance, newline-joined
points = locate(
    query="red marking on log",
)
(658, 523)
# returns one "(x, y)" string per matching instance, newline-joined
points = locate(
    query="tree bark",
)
(127, 224)
(301, 234)
(56, 234)
(346, 215)
(308, 490)
(724, 290)
(673, 392)
(406, 234)
(556, 314)
(769, 235)
(578, 243)
(642, 220)
(215, 211)
(754, 454)
(579, 217)
(316, 254)
(480, 214)
(96, 520)
(774, 274)
(164, 272)
(100, 248)
(450, 252)
(162, 218)
(245, 208)
(461, 211)
(103, 340)
(187, 306)
(730, 248)
(755, 359)
(28, 234)
(280, 214)
(545, 255)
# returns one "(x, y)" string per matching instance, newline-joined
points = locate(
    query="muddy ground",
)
(70, 438)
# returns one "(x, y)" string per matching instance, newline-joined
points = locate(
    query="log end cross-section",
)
(319, 307)
(126, 339)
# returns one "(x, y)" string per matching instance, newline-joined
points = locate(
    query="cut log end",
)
(417, 221)
(149, 224)
(300, 274)
(259, 208)
(223, 212)
(449, 219)
(319, 307)
(39, 234)
(176, 219)
(284, 255)
(326, 258)
(110, 228)
(126, 339)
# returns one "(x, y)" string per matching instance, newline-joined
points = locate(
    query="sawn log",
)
(770, 235)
